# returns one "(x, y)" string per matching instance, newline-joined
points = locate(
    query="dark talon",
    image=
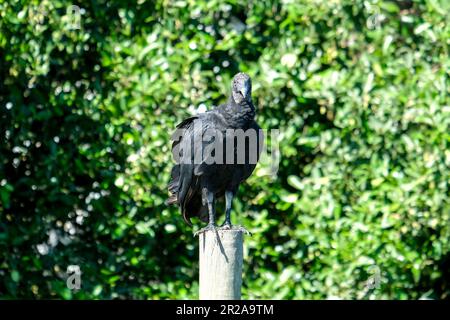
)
(226, 226)
(242, 229)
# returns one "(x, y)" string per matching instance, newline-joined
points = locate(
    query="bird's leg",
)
(228, 202)
(209, 196)
(227, 224)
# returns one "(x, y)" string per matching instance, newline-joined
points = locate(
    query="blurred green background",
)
(359, 90)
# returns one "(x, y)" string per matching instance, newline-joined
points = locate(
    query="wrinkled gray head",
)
(241, 88)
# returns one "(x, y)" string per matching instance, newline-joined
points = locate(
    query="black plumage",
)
(195, 185)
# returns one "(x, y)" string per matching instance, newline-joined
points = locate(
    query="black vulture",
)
(215, 151)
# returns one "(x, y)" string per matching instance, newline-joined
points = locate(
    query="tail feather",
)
(185, 193)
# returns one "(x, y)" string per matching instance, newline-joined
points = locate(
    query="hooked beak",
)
(244, 91)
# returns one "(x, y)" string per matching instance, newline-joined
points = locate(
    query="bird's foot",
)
(209, 227)
(228, 226)
(242, 229)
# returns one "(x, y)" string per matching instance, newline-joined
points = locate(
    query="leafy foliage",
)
(358, 89)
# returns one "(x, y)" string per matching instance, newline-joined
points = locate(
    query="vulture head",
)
(241, 88)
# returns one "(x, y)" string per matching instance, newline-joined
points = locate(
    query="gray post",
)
(221, 255)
